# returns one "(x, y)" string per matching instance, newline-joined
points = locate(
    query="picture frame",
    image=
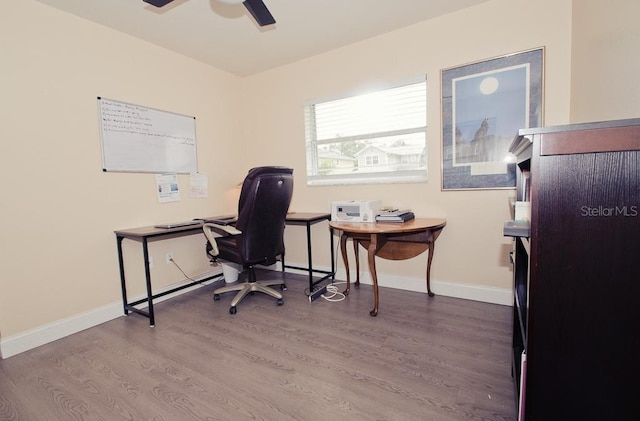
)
(484, 104)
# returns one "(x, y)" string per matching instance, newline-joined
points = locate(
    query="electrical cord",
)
(333, 294)
(180, 269)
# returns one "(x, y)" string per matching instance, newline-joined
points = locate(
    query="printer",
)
(355, 210)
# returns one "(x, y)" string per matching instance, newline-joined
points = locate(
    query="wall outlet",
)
(150, 261)
(169, 256)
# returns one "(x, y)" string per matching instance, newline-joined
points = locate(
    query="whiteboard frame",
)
(171, 147)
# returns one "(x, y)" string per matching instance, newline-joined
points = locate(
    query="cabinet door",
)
(585, 306)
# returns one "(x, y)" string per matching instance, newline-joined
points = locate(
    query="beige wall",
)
(605, 60)
(471, 250)
(60, 209)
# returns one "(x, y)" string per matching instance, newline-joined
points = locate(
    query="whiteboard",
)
(142, 139)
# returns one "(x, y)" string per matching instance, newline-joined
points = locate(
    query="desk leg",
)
(309, 257)
(343, 249)
(373, 248)
(333, 263)
(147, 274)
(123, 283)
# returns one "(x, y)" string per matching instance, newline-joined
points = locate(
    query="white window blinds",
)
(371, 138)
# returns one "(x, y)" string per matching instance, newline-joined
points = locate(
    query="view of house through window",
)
(377, 137)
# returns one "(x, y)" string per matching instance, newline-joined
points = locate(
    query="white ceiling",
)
(226, 36)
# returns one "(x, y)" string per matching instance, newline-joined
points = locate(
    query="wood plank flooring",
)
(421, 358)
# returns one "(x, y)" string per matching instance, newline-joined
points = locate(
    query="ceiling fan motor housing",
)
(257, 8)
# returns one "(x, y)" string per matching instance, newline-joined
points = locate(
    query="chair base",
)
(245, 288)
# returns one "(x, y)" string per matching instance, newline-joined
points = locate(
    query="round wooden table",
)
(393, 241)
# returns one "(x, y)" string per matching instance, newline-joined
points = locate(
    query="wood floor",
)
(421, 358)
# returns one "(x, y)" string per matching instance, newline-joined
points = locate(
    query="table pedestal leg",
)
(373, 248)
(429, 258)
(356, 243)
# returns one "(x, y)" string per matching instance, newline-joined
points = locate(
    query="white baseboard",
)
(50, 332)
(486, 294)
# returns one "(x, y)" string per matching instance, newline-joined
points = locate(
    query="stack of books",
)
(403, 215)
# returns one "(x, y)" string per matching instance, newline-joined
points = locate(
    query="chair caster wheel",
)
(216, 297)
(280, 301)
(283, 287)
(232, 310)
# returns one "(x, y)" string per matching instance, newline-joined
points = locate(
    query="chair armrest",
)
(210, 228)
(211, 231)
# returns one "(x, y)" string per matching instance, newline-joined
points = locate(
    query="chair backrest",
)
(262, 210)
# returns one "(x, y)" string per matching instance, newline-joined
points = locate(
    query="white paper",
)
(523, 211)
(167, 187)
(199, 185)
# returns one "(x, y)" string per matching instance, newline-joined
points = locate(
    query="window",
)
(379, 137)
(372, 160)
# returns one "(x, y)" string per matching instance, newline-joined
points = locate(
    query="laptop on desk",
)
(197, 221)
(220, 218)
(179, 224)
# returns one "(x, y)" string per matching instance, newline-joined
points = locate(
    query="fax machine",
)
(355, 210)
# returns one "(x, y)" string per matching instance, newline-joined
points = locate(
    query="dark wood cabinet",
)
(577, 274)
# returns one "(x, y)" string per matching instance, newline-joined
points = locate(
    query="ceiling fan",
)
(257, 9)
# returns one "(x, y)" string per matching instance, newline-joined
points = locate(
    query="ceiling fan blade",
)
(259, 12)
(158, 3)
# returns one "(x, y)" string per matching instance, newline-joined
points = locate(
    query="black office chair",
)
(257, 236)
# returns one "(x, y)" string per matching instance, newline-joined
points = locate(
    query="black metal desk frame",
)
(144, 235)
(309, 219)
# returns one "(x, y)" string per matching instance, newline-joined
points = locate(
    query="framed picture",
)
(484, 104)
